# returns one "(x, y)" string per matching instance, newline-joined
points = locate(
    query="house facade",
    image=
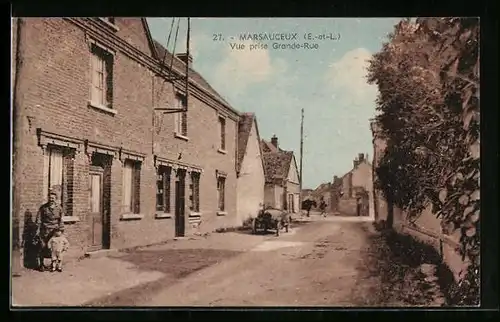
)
(85, 100)
(323, 192)
(352, 194)
(249, 169)
(282, 187)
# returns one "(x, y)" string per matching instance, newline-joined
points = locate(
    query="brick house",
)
(353, 188)
(249, 169)
(85, 95)
(282, 188)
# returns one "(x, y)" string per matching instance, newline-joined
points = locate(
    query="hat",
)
(60, 228)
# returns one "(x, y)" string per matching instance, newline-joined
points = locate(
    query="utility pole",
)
(188, 36)
(301, 152)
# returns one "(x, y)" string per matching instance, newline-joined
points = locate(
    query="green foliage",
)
(428, 79)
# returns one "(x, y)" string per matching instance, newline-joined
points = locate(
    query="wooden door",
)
(96, 208)
(180, 191)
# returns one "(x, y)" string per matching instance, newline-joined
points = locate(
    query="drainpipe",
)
(16, 151)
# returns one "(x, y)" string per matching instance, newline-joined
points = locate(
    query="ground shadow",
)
(395, 259)
(30, 249)
(247, 230)
(175, 263)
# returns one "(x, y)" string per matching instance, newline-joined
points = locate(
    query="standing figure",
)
(322, 207)
(308, 206)
(48, 219)
(57, 245)
(359, 204)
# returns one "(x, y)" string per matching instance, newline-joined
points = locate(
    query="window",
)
(194, 188)
(102, 78)
(58, 176)
(222, 131)
(221, 183)
(163, 189)
(181, 117)
(111, 20)
(131, 187)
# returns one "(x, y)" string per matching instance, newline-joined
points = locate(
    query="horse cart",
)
(273, 219)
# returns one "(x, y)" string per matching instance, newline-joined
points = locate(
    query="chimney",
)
(355, 163)
(184, 57)
(274, 141)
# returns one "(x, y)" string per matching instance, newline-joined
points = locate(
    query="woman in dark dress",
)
(48, 219)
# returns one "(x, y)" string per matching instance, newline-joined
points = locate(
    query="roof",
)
(351, 171)
(276, 161)
(165, 56)
(244, 130)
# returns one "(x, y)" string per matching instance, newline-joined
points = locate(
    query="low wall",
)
(427, 229)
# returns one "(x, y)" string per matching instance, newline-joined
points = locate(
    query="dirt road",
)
(315, 265)
(326, 262)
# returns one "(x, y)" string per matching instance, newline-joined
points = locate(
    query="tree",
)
(428, 79)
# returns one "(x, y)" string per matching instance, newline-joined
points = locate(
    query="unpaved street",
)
(316, 264)
(337, 261)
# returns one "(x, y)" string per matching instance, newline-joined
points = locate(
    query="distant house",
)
(307, 194)
(353, 189)
(282, 187)
(249, 169)
(323, 192)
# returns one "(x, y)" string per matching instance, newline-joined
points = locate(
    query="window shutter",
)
(68, 183)
(166, 190)
(137, 188)
(184, 123)
(197, 192)
(109, 81)
(127, 187)
(222, 124)
(46, 165)
(223, 194)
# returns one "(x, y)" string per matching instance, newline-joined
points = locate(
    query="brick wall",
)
(201, 149)
(56, 86)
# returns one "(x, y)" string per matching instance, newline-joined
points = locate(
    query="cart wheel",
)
(254, 226)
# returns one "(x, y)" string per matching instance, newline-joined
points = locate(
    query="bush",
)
(428, 79)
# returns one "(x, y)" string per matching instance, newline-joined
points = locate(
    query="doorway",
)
(180, 193)
(99, 201)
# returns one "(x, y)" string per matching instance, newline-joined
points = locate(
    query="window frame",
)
(166, 173)
(134, 207)
(222, 130)
(181, 118)
(221, 197)
(110, 22)
(194, 192)
(100, 55)
(66, 193)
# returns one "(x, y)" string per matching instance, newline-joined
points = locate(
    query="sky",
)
(327, 80)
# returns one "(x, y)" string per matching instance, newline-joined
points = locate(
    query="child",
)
(58, 244)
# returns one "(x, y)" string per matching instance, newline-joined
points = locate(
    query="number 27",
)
(217, 37)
